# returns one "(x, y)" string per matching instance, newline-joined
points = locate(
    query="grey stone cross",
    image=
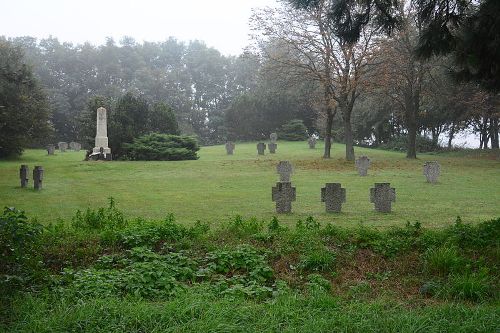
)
(383, 195)
(62, 146)
(273, 137)
(283, 194)
(23, 175)
(285, 170)
(333, 195)
(272, 147)
(312, 142)
(229, 147)
(261, 146)
(363, 163)
(37, 177)
(432, 170)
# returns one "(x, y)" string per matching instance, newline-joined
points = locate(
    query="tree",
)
(405, 76)
(24, 112)
(307, 45)
(467, 30)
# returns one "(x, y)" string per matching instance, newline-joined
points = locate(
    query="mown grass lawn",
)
(218, 186)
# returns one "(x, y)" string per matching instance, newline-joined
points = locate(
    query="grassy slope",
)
(218, 186)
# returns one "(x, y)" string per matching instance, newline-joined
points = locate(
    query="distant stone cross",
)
(273, 137)
(383, 195)
(333, 195)
(261, 146)
(285, 170)
(272, 147)
(75, 146)
(229, 147)
(23, 175)
(312, 142)
(363, 163)
(62, 146)
(283, 194)
(37, 177)
(432, 170)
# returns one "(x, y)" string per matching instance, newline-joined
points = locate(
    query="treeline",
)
(387, 97)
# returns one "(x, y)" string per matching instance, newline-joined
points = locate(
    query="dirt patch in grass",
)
(399, 276)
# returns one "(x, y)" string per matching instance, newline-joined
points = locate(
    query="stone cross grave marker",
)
(273, 137)
(285, 170)
(362, 164)
(312, 142)
(333, 195)
(24, 174)
(283, 194)
(229, 147)
(261, 146)
(432, 170)
(62, 146)
(383, 195)
(272, 147)
(51, 149)
(37, 177)
(75, 146)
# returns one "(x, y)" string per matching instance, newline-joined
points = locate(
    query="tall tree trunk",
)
(328, 133)
(494, 133)
(451, 135)
(411, 123)
(349, 145)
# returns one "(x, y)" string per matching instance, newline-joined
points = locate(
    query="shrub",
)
(442, 260)
(20, 261)
(400, 143)
(470, 286)
(109, 218)
(320, 260)
(294, 130)
(162, 147)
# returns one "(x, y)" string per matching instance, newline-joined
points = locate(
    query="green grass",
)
(196, 311)
(218, 186)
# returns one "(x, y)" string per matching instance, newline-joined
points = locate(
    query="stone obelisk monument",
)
(101, 138)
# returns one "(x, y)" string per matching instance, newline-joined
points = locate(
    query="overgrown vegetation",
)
(102, 255)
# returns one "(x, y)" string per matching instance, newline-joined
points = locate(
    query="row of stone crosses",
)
(382, 195)
(63, 146)
(261, 146)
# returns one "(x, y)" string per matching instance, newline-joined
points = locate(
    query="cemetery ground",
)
(218, 186)
(127, 265)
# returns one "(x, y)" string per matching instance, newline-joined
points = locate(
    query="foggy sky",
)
(222, 24)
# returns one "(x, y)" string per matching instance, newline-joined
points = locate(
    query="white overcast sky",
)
(222, 24)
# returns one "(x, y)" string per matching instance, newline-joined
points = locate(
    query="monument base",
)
(97, 150)
(101, 154)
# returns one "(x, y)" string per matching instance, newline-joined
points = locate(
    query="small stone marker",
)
(51, 149)
(285, 170)
(283, 194)
(62, 146)
(37, 177)
(261, 146)
(229, 147)
(432, 170)
(272, 147)
(75, 146)
(23, 175)
(312, 142)
(273, 137)
(363, 163)
(333, 195)
(383, 195)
